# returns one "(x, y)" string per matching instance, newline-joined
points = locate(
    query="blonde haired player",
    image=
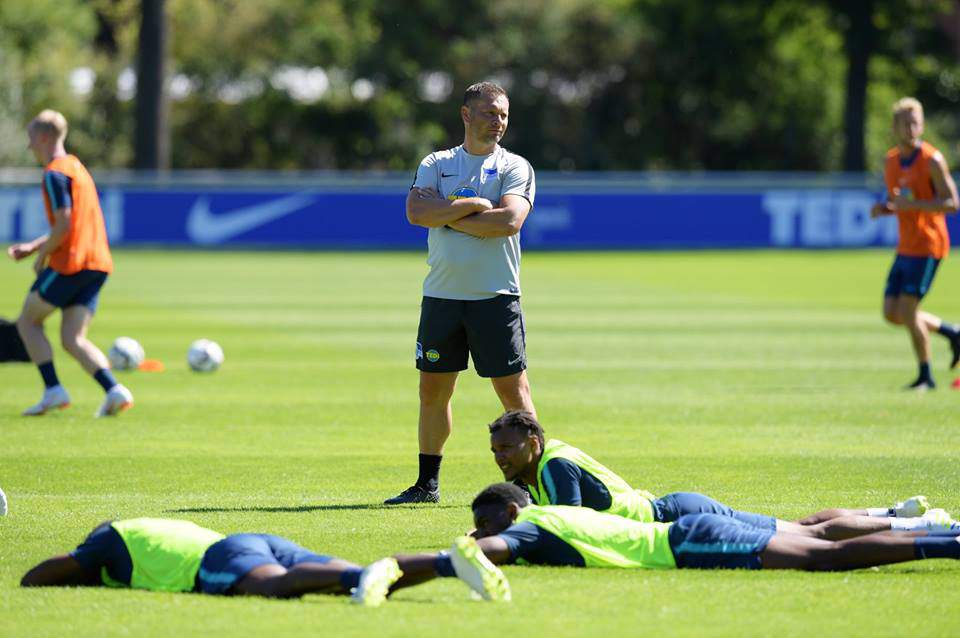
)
(72, 263)
(920, 192)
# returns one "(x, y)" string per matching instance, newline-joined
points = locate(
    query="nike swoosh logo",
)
(203, 227)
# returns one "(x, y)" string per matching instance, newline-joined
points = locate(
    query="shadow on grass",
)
(306, 508)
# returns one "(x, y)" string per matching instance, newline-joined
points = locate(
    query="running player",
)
(511, 530)
(554, 473)
(920, 191)
(180, 556)
(473, 199)
(72, 264)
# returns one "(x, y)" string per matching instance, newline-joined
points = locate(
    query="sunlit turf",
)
(765, 379)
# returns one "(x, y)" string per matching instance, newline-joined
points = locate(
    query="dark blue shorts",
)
(79, 289)
(911, 276)
(672, 506)
(227, 561)
(713, 541)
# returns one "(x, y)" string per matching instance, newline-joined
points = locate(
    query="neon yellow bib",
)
(605, 540)
(165, 554)
(624, 500)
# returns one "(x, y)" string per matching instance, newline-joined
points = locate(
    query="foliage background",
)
(595, 84)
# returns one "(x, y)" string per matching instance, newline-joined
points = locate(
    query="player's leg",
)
(910, 508)
(441, 355)
(271, 566)
(909, 311)
(73, 336)
(30, 327)
(787, 551)
(497, 339)
(672, 506)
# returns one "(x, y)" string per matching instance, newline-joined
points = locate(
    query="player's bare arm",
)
(425, 207)
(22, 250)
(58, 232)
(59, 570)
(504, 221)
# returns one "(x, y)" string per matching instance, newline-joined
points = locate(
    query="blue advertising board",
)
(630, 212)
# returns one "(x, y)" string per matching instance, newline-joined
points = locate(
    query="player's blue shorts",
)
(227, 561)
(79, 289)
(911, 276)
(712, 541)
(672, 506)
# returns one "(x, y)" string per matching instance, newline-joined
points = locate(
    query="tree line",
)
(375, 84)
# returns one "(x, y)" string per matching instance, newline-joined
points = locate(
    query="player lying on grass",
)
(554, 473)
(179, 556)
(511, 530)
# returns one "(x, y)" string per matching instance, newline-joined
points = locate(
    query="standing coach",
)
(473, 199)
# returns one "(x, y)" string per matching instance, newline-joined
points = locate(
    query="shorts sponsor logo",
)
(419, 351)
(433, 356)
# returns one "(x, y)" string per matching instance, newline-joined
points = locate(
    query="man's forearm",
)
(434, 213)
(498, 222)
(947, 206)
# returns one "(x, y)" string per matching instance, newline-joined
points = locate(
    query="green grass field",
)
(765, 379)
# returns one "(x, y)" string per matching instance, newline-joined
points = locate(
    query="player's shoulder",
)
(931, 152)
(511, 159)
(893, 154)
(444, 155)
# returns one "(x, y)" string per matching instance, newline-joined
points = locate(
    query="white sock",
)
(881, 512)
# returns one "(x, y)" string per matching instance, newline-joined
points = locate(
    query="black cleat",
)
(955, 349)
(921, 385)
(414, 494)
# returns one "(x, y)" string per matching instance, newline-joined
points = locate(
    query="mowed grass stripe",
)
(765, 379)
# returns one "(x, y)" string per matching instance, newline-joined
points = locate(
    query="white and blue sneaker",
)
(940, 523)
(375, 582)
(475, 569)
(913, 507)
(55, 398)
(118, 399)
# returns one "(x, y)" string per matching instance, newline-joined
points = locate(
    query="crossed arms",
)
(475, 216)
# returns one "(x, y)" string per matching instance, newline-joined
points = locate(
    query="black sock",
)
(949, 330)
(49, 374)
(105, 378)
(429, 478)
(936, 547)
(350, 578)
(925, 372)
(444, 565)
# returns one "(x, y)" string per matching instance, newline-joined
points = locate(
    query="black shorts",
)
(78, 289)
(489, 330)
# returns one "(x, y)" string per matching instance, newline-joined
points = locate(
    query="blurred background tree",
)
(594, 84)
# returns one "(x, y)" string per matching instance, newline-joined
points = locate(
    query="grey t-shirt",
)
(462, 266)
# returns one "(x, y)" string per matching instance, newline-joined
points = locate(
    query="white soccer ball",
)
(204, 355)
(125, 354)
